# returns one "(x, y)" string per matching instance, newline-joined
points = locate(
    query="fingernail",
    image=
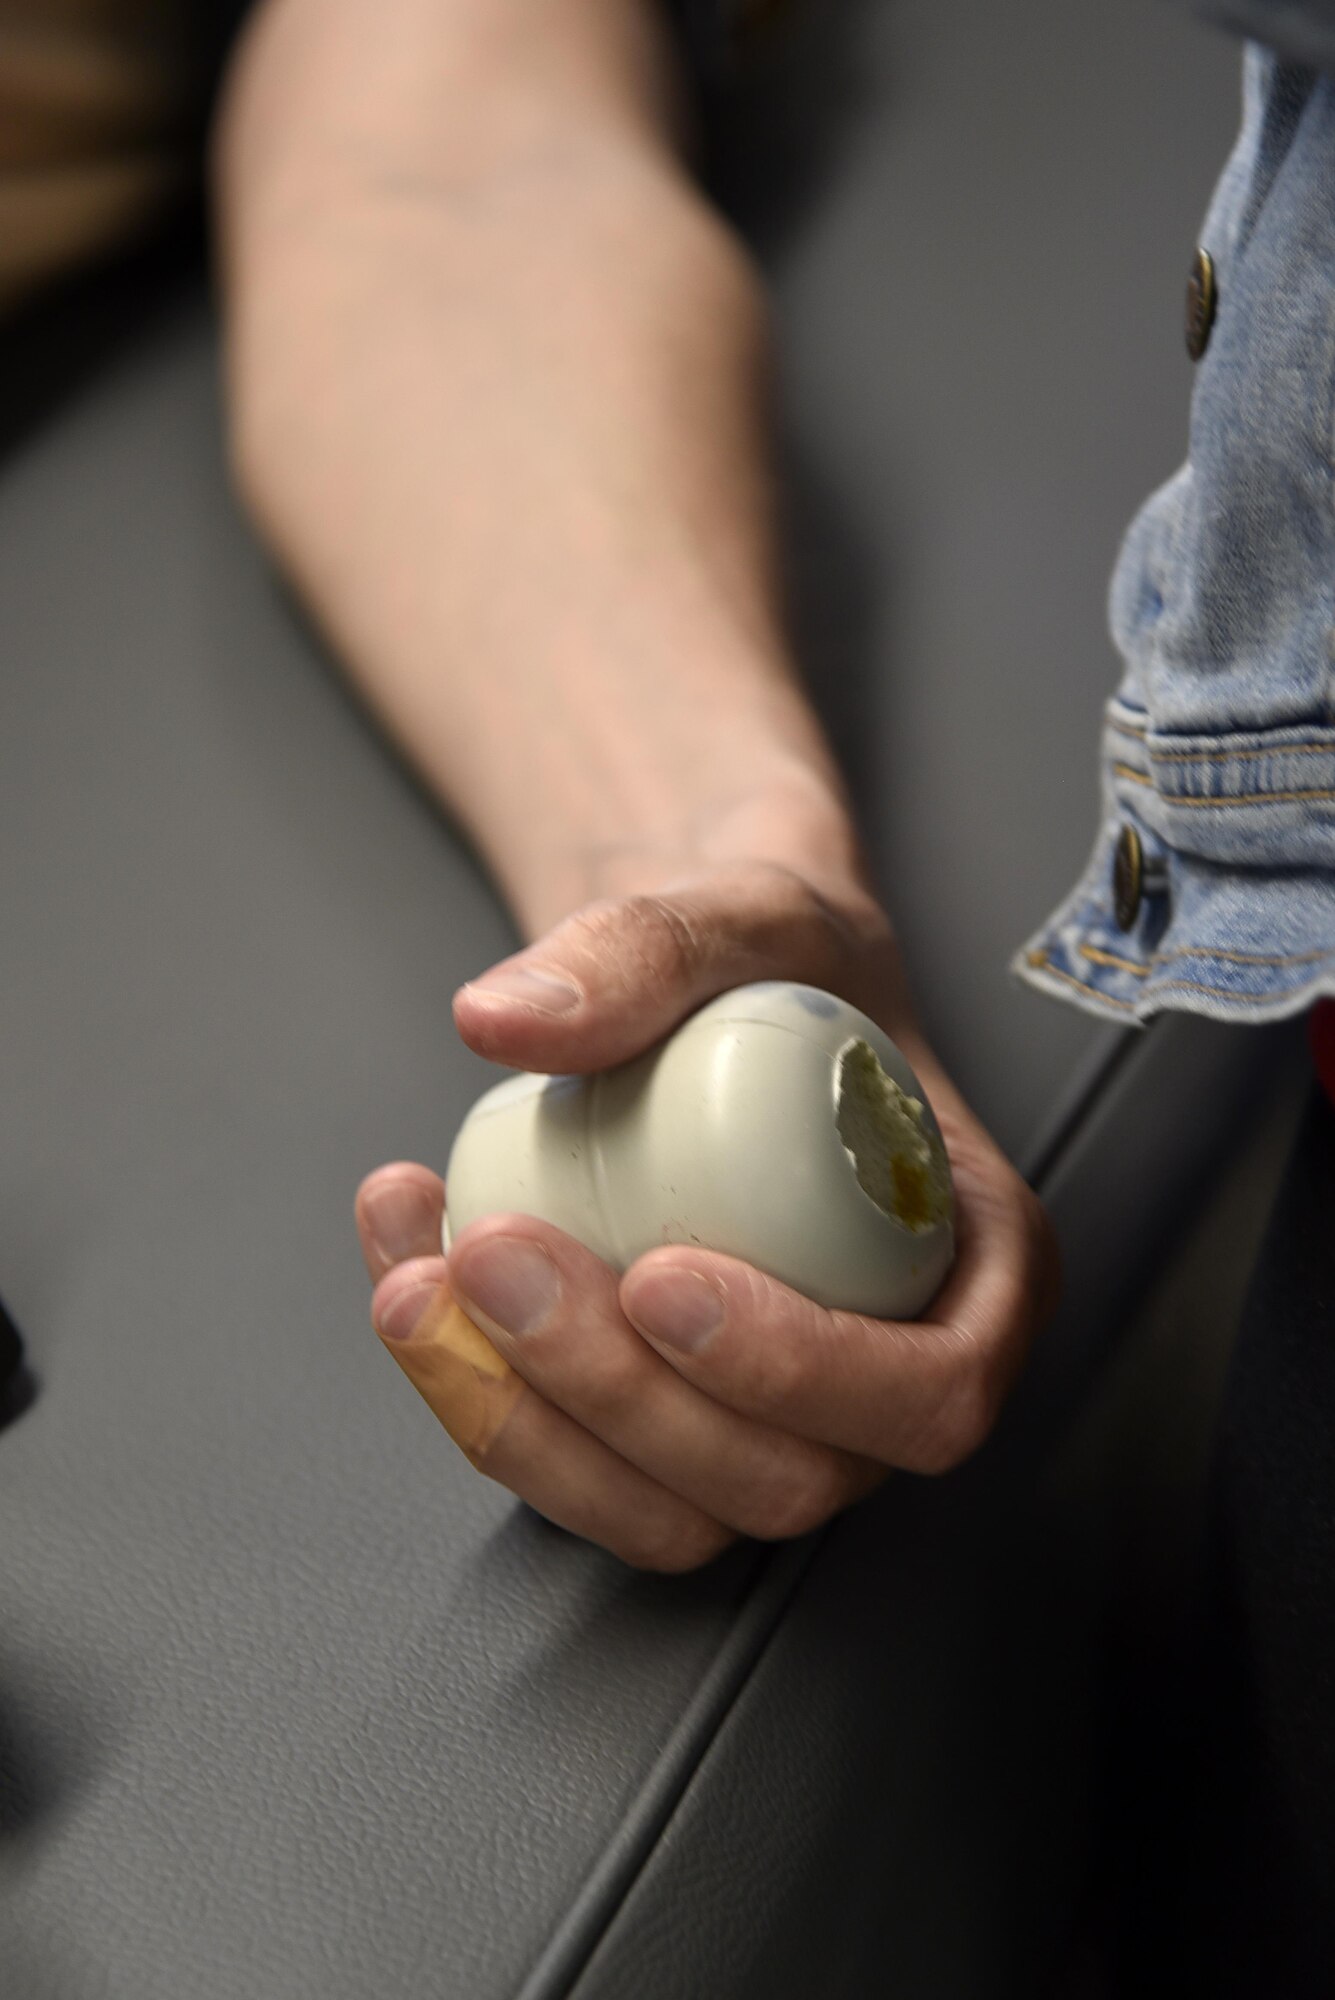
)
(407, 1312)
(679, 1309)
(511, 1281)
(400, 1219)
(544, 992)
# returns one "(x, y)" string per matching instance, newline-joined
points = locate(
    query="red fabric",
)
(1321, 1034)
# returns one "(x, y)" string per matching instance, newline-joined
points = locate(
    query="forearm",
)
(498, 391)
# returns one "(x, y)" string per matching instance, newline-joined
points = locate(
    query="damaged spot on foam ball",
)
(899, 1161)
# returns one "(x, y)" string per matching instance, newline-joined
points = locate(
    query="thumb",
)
(617, 976)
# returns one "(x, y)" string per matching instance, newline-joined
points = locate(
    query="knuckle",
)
(670, 944)
(674, 1548)
(805, 1495)
(980, 1372)
(779, 1378)
(612, 1382)
(795, 921)
(835, 931)
(649, 940)
(775, 1366)
(651, 932)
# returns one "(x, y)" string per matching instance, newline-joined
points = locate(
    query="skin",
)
(499, 394)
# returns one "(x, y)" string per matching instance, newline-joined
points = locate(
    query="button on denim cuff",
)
(1219, 750)
(1238, 939)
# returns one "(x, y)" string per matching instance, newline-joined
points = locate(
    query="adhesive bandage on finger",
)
(458, 1372)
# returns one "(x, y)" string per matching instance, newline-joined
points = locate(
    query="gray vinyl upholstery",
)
(291, 1704)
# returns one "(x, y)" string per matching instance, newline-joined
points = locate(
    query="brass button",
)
(1128, 877)
(1135, 875)
(1202, 299)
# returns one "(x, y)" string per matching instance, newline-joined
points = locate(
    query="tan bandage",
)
(459, 1374)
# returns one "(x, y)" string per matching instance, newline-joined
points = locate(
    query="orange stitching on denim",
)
(1098, 957)
(1244, 957)
(1137, 777)
(1223, 756)
(1247, 798)
(1215, 992)
(1041, 962)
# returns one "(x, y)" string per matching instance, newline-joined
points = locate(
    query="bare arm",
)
(498, 381)
(499, 400)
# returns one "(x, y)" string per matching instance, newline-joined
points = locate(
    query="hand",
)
(695, 1399)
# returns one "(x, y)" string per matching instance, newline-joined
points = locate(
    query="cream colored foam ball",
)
(778, 1124)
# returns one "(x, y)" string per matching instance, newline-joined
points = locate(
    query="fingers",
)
(551, 1308)
(921, 1395)
(399, 1210)
(759, 1411)
(516, 1437)
(698, 1398)
(620, 974)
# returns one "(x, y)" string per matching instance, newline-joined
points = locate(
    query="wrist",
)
(788, 812)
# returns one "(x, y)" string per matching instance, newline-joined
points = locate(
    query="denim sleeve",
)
(1218, 760)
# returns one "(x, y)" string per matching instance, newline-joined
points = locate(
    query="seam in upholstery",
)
(562, 1963)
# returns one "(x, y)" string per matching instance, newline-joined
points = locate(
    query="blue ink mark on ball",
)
(816, 1003)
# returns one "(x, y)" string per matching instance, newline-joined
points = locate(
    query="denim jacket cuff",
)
(1237, 922)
